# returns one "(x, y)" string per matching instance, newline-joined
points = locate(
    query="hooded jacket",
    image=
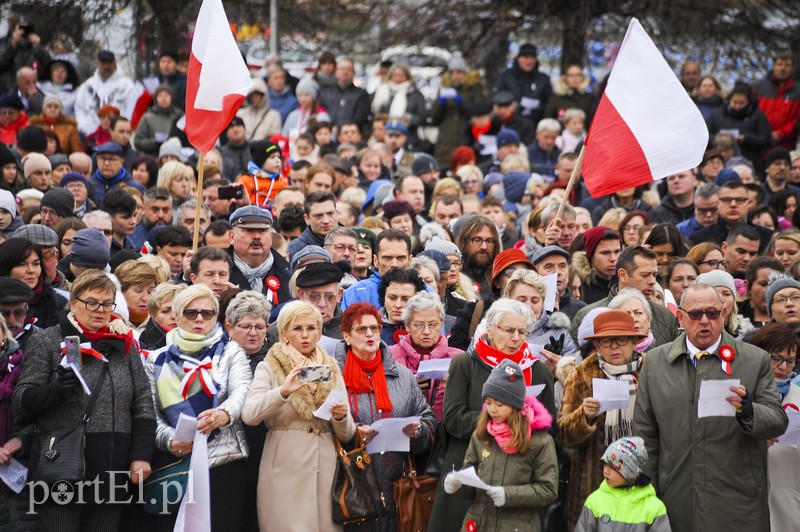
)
(95, 92)
(154, 128)
(668, 212)
(259, 122)
(625, 509)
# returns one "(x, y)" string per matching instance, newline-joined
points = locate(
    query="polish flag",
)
(218, 78)
(646, 126)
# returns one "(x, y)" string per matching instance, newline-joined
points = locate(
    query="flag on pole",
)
(218, 78)
(646, 126)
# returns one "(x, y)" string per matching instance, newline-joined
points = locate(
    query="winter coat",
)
(8, 131)
(784, 487)
(234, 160)
(407, 400)
(154, 128)
(16, 223)
(594, 286)
(529, 479)
(668, 212)
(416, 114)
(710, 472)
(306, 238)
(47, 308)
(718, 233)
(234, 377)
(565, 98)
(405, 353)
(552, 326)
(463, 402)
(750, 122)
(280, 270)
(65, 128)
(284, 102)
(365, 290)
(523, 126)
(95, 92)
(569, 305)
(348, 104)
(451, 115)
(121, 428)
(100, 186)
(663, 325)
(781, 104)
(299, 457)
(14, 516)
(534, 86)
(707, 106)
(543, 162)
(12, 58)
(153, 337)
(586, 439)
(259, 122)
(630, 509)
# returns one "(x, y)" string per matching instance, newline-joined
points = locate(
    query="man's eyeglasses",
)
(191, 314)
(732, 200)
(478, 241)
(697, 315)
(716, 263)
(94, 305)
(778, 360)
(19, 313)
(50, 254)
(316, 298)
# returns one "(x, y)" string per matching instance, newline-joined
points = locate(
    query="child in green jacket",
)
(626, 499)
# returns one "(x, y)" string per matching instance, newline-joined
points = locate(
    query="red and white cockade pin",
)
(273, 285)
(727, 354)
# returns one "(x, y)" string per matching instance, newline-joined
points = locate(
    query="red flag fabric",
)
(218, 79)
(646, 126)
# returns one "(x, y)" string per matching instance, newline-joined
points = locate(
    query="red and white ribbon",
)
(726, 354)
(86, 349)
(201, 371)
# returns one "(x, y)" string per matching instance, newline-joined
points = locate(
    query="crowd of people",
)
(336, 231)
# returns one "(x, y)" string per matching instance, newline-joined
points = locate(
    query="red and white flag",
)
(646, 126)
(218, 78)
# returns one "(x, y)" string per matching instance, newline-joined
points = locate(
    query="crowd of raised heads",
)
(348, 242)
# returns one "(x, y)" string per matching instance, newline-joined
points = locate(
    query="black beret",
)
(14, 291)
(319, 274)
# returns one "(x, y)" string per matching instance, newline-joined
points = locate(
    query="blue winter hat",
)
(507, 137)
(373, 188)
(492, 178)
(441, 260)
(725, 175)
(514, 185)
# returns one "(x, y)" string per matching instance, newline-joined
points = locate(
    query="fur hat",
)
(626, 456)
(506, 384)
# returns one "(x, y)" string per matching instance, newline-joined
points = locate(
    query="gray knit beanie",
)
(776, 285)
(506, 384)
(716, 278)
(444, 246)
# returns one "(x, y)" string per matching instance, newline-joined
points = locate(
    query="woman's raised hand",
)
(291, 384)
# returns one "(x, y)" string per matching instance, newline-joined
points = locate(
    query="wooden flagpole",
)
(575, 173)
(199, 198)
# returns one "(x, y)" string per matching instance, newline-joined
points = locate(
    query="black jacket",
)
(280, 270)
(345, 104)
(306, 238)
(534, 85)
(668, 212)
(718, 232)
(153, 337)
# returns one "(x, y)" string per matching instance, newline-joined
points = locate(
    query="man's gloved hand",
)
(451, 485)
(556, 345)
(498, 495)
(746, 412)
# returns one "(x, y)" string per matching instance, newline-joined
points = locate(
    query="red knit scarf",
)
(492, 357)
(106, 334)
(477, 131)
(365, 376)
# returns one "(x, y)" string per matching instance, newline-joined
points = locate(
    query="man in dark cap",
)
(507, 142)
(47, 240)
(14, 298)
(57, 204)
(108, 86)
(554, 259)
(531, 88)
(506, 109)
(169, 74)
(318, 284)
(777, 173)
(236, 152)
(110, 173)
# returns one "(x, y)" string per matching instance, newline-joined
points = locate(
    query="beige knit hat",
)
(34, 162)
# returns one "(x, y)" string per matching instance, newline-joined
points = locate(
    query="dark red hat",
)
(593, 236)
(508, 258)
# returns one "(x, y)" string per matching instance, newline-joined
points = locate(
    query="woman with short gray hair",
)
(505, 338)
(634, 303)
(424, 318)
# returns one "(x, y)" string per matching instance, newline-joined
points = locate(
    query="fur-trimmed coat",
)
(585, 439)
(565, 98)
(299, 458)
(594, 286)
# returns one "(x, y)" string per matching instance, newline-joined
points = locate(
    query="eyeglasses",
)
(107, 159)
(433, 326)
(93, 305)
(191, 314)
(455, 263)
(316, 298)
(619, 340)
(704, 211)
(633, 228)
(362, 329)
(248, 328)
(18, 313)
(781, 300)
(778, 360)
(75, 185)
(732, 200)
(341, 248)
(697, 315)
(716, 263)
(513, 330)
(49, 254)
(478, 241)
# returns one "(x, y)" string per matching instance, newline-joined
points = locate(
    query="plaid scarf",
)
(619, 423)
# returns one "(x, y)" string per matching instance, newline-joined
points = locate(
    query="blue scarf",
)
(255, 170)
(119, 178)
(783, 386)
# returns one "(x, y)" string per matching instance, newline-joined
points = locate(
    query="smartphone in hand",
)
(315, 374)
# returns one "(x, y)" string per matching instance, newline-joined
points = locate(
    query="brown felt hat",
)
(613, 324)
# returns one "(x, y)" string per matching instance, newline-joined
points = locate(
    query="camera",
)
(27, 29)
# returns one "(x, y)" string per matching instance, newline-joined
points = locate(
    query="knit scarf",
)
(255, 276)
(619, 423)
(492, 357)
(190, 343)
(116, 329)
(645, 342)
(783, 386)
(396, 93)
(365, 376)
(477, 131)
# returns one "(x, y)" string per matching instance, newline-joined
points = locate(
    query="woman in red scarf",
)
(378, 387)
(507, 324)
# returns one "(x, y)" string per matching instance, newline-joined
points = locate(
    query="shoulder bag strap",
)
(95, 395)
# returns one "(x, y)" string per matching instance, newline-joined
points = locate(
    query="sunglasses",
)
(697, 315)
(191, 314)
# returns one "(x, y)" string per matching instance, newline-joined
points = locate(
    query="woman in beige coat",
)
(299, 458)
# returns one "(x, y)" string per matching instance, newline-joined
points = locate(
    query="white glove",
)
(451, 485)
(497, 494)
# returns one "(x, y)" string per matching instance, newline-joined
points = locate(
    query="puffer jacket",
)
(96, 92)
(235, 377)
(632, 509)
(780, 101)
(259, 122)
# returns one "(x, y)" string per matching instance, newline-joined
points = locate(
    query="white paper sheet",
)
(712, 398)
(792, 435)
(14, 475)
(185, 429)
(551, 281)
(390, 436)
(536, 350)
(447, 92)
(334, 398)
(489, 143)
(612, 394)
(469, 477)
(792, 397)
(534, 390)
(529, 104)
(434, 368)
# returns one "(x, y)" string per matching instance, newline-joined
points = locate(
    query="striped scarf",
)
(619, 423)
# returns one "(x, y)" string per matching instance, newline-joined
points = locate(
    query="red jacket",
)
(781, 104)
(8, 132)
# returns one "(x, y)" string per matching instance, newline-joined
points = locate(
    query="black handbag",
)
(436, 458)
(357, 496)
(58, 454)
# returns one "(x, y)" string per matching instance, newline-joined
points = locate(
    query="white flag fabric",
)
(195, 516)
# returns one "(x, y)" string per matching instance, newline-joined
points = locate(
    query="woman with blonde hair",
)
(162, 318)
(398, 97)
(785, 246)
(471, 179)
(613, 218)
(160, 267)
(446, 185)
(137, 281)
(176, 177)
(515, 162)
